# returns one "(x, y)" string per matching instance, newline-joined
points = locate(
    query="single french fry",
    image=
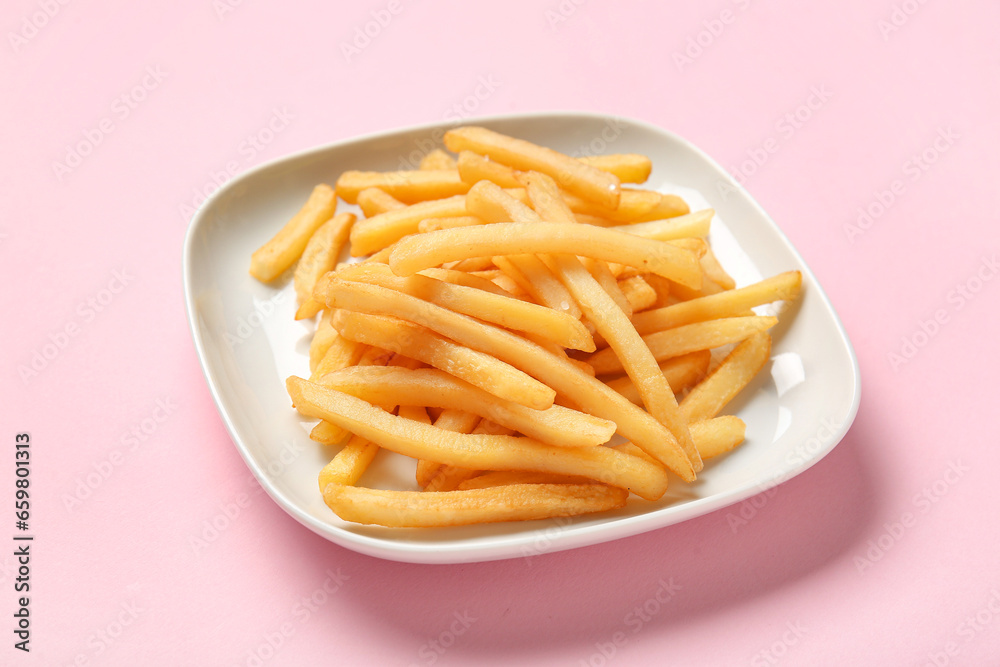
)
(471, 264)
(381, 257)
(349, 464)
(634, 206)
(714, 271)
(437, 159)
(718, 436)
(473, 168)
(484, 200)
(602, 274)
(681, 372)
(692, 225)
(422, 251)
(698, 247)
(638, 292)
(685, 293)
(327, 433)
(508, 477)
(274, 257)
(321, 253)
(628, 167)
(458, 421)
(669, 206)
(555, 425)
(517, 502)
(589, 394)
(482, 370)
(506, 311)
(730, 303)
(374, 201)
(483, 452)
(414, 412)
(581, 179)
(740, 366)
(712, 437)
(408, 187)
(309, 309)
(447, 222)
(687, 338)
(384, 229)
(322, 340)
(596, 220)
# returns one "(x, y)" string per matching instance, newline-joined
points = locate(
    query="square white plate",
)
(248, 342)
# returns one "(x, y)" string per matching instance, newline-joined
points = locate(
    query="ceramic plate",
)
(248, 342)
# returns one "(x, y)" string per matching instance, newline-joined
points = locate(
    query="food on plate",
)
(538, 339)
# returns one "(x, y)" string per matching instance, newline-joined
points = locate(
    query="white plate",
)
(796, 411)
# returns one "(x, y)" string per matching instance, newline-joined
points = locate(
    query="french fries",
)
(513, 238)
(412, 340)
(586, 181)
(554, 425)
(406, 186)
(481, 452)
(274, 257)
(556, 310)
(687, 338)
(513, 502)
(505, 311)
(735, 372)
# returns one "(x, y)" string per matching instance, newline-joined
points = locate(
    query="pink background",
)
(116, 578)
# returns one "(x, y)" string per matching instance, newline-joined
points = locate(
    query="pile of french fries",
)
(509, 311)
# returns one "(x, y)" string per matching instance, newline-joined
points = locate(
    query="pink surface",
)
(885, 553)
